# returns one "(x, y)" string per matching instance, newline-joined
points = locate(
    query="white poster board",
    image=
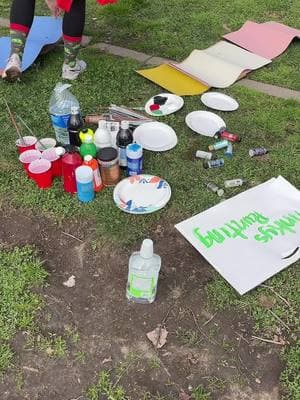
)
(250, 237)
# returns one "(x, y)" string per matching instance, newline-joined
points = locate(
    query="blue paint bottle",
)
(134, 154)
(229, 151)
(85, 184)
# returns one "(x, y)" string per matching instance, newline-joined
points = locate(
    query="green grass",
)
(283, 300)
(54, 346)
(275, 311)
(290, 376)
(105, 387)
(200, 393)
(20, 272)
(173, 28)
(261, 121)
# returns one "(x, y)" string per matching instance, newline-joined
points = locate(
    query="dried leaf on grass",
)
(158, 337)
(266, 301)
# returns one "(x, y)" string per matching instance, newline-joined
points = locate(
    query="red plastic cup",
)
(28, 143)
(28, 157)
(56, 163)
(45, 143)
(40, 172)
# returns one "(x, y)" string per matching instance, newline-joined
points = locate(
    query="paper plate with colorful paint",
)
(219, 101)
(155, 136)
(204, 122)
(142, 194)
(163, 104)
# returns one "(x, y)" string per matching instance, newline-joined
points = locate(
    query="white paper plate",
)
(142, 194)
(219, 101)
(204, 122)
(155, 136)
(173, 104)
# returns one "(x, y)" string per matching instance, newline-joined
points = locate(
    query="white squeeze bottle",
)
(102, 137)
(143, 272)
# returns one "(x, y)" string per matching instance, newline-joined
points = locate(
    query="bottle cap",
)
(107, 154)
(60, 151)
(84, 174)
(88, 158)
(74, 109)
(134, 151)
(102, 124)
(220, 192)
(88, 139)
(124, 124)
(147, 249)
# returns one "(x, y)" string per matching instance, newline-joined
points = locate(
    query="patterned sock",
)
(18, 40)
(71, 52)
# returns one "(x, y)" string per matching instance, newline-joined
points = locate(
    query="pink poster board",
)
(268, 40)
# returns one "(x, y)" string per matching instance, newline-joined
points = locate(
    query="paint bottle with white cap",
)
(144, 267)
(85, 184)
(134, 153)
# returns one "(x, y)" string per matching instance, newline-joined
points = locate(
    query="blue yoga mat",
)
(44, 31)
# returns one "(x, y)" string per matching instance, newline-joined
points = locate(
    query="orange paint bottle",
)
(91, 162)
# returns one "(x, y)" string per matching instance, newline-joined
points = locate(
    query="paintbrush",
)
(30, 130)
(12, 118)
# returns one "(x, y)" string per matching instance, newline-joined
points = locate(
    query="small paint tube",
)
(204, 154)
(223, 134)
(229, 151)
(214, 163)
(218, 145)
(259, 151)
(215, 189)
(234, 182)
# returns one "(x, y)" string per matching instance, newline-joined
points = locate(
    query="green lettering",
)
(260, 218)
(266, 234)
(237, 229)
(285, 225)
(210, 238)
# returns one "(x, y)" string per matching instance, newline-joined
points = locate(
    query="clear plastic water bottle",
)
(61, 103)
(144, 267)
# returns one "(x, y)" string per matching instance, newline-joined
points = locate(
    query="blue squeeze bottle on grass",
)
(85, 184)
(134, 154)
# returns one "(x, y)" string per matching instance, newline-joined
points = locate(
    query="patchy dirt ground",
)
(202, 348)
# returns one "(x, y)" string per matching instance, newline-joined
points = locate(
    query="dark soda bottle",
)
(75, 125)
(124, 138)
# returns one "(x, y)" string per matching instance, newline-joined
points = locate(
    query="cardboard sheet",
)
(250, 237)
(268, 40)
(220, 65)
(44, 31)
(173, 80)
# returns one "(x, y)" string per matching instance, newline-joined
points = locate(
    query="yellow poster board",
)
(173, 80)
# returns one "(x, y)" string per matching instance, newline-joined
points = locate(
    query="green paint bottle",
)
(88, 148)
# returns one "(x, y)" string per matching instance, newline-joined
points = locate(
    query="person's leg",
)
(73, 25)
(21, 17)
